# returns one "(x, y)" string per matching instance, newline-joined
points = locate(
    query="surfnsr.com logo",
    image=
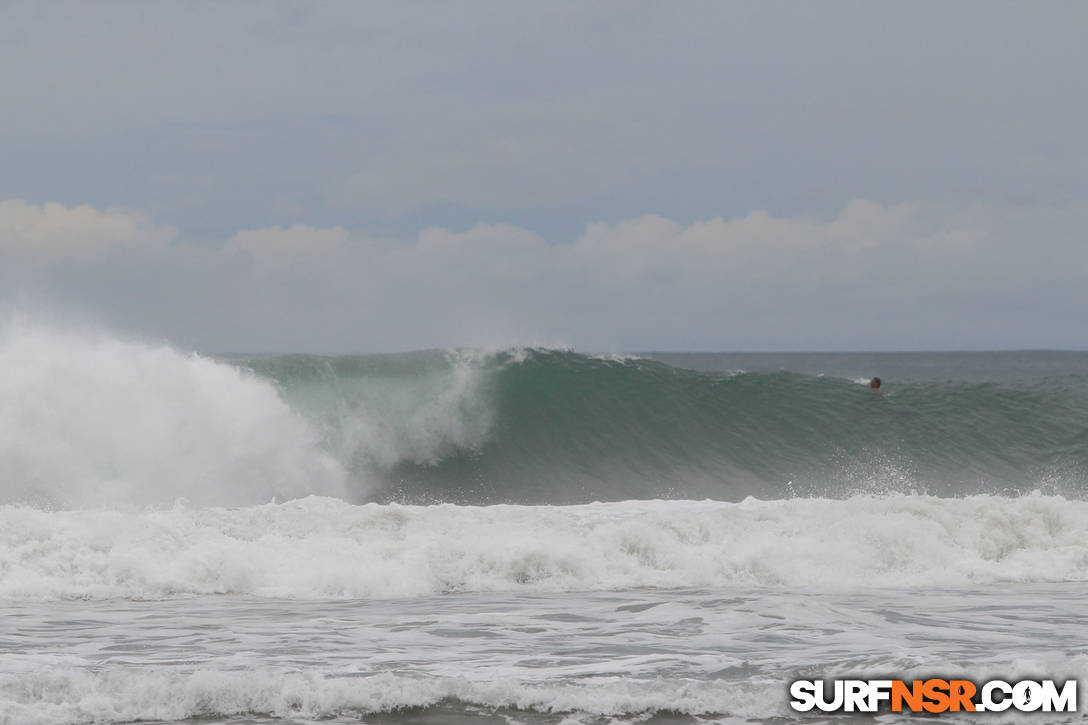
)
(933, 695)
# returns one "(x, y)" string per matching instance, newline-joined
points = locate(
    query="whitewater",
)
(524, 534)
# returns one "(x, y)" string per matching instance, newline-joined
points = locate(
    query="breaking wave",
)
(321, 547)
(92, 420)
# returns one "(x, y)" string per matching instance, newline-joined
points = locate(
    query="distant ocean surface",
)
(528, 535)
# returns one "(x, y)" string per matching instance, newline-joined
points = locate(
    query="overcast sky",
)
(611, 176)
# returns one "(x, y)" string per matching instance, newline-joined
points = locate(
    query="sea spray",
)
(378, 411)
(90, 420)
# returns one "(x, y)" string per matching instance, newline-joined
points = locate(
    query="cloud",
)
(873, 276)
(245, 115)
(390, 136)
(52, 232)
(274, 248)
(760, 246)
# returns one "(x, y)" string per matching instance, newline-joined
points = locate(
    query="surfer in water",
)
(875, 384)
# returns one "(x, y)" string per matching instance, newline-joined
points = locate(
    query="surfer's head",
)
(875, 383)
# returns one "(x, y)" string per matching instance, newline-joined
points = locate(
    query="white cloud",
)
(761, 245)
(873, 276)
(649, 279)
(53, 232)
(278, 247)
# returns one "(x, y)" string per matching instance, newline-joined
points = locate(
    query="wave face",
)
(316, 548)
(546, 426)
(91, 420)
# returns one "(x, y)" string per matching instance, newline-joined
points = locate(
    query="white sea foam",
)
(77, 696)
(128, 695)
(321, 547)
(92, 420)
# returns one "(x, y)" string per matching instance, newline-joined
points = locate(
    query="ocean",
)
(529, 535)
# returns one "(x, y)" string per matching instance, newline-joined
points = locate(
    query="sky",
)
(367, 177)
